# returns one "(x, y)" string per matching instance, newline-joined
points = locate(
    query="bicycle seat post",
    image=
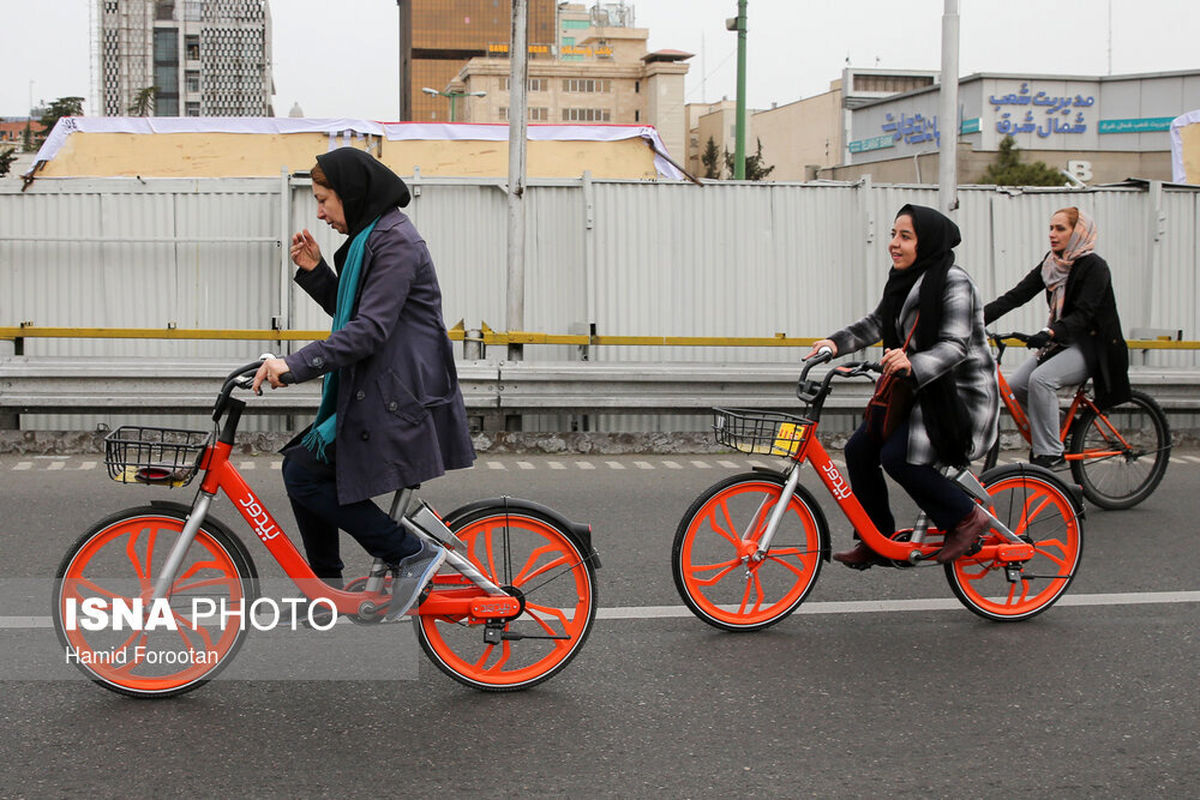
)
(401, 500)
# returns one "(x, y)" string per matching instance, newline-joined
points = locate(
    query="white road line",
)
(54, 466)
(615, 465)
(828, 607)
(727, 464)
(932, 604)
(23, 466)
(585, 465)
(246, 465)
(556, 465)
(1193, 459)
(86, 465)
(672, 465)
(525, 465)
(496, 465)
(643, 465)
(276, 465)
(701, 465)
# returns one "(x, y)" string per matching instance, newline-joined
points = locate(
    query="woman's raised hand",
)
(305, 252)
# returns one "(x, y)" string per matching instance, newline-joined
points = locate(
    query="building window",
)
(586, 115)
(193, 80)
(166, 106)
(531, 84)
(540, 114)
(193, 109)
(191, 46)
(588, 85)
(166, 46)
(637, 115)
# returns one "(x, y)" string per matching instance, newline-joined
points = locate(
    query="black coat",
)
(400, 413)
(1089, 319)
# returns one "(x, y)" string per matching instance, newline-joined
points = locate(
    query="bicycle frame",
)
(479, 597)
(913, 551)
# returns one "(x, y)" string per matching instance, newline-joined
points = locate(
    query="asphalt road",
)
(1095, 698)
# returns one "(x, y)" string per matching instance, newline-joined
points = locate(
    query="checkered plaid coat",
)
(961, 349)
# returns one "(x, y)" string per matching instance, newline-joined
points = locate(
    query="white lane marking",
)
(556, 465)
(643, 465)
(828, 607)
(276, 465)
(496, 465)
(888, 606)
(615, 465)
(727, 464)
(86, 465)
(524, 465)
(56, 465)
(22, 466)
(672, 465)
(1193, 459)
(585, 465)
(246, 465)
(701, 465)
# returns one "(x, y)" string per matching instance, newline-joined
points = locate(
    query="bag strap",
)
(911, 332)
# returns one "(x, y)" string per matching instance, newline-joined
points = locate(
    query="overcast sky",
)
(338, 59)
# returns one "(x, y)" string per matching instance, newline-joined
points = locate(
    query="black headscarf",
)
(945, 417)
(364, 185)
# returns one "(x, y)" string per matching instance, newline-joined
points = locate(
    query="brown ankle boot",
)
(959, 540)
(858, 557)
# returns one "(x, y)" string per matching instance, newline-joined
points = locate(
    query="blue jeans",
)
(312, 489)
(867, 458)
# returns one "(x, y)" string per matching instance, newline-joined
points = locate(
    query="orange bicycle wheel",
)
(530, 556)
(1038, 509)
(722, 527)
(112, 631)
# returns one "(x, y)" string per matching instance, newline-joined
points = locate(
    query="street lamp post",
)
(453, 97)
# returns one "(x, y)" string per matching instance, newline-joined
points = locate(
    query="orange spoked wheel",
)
(110, 627)
(712, 559)
(1036, 508)
(542, 565)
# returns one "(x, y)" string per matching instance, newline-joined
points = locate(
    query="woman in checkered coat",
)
(931, 322)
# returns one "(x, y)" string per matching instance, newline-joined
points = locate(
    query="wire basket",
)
(157, 456)
(771, 433)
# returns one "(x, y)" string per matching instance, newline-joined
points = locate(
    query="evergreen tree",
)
(143, 102)
(711, 160)
(62, 107)
(6, 159)
(1009, 171)
(756, 169)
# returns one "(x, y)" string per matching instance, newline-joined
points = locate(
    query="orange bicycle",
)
(1118, 456)
(136, 598)
(749, 549)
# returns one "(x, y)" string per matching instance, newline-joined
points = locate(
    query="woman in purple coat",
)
(391, 412)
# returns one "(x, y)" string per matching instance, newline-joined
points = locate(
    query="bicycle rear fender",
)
(580, 533)
(1071, 490)
(809, 500)
(210, 521)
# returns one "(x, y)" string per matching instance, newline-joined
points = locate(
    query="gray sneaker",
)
(410, 576)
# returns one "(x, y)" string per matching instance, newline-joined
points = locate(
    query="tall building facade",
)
(202, 58)
(445, 34)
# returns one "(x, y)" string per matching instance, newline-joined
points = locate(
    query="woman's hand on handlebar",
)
(822, 344)
(272, 372)
(895, 362)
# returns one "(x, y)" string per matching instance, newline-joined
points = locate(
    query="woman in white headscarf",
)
(1082, 337)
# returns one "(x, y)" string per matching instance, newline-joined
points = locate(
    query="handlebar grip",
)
(287, 378)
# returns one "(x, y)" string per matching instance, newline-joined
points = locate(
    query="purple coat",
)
(400, 414)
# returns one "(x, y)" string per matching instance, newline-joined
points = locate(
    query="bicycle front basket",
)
(771, 433)
(156, 456)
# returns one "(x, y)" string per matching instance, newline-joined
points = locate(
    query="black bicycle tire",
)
(1091, 490)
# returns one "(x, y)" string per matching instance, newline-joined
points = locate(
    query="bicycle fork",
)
(785, 496)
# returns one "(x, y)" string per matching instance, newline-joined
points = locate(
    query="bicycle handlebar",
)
(814, 392)
(242, 378)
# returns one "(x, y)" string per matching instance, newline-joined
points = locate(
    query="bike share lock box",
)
(427, 521)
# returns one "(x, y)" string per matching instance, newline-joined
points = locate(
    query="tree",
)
(711, 160)
(756, 170)
(62, 107)
(27, 137)
(1009, 171)
(6, 159)
(143, 102)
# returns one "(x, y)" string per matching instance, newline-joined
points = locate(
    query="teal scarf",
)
(324, 427)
